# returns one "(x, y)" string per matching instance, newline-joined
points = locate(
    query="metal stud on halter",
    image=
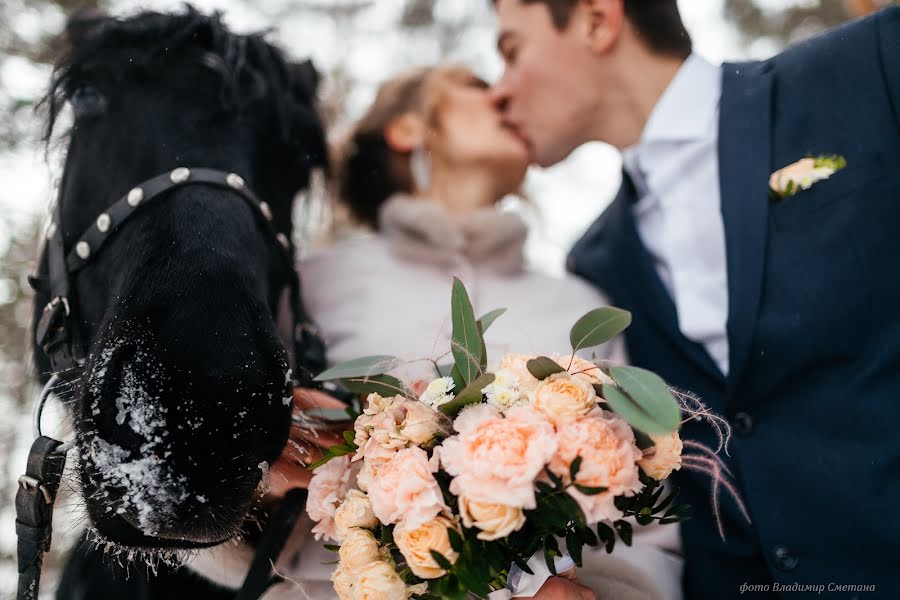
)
(235, 181)
(103, 222)
(83, 249)
(135, 196)
(266, 210)
(180, 175)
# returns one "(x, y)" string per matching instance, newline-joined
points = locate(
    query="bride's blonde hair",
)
(368, 170)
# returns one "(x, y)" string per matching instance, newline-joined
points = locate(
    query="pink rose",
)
(327, 489)
(497, 459)
(609, 458)
(405, 489)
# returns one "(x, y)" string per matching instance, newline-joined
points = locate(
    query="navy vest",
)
(813, 391)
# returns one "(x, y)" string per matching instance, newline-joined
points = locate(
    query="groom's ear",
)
(405, 133)
(603, 21)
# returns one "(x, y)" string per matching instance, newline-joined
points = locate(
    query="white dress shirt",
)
(675, 168)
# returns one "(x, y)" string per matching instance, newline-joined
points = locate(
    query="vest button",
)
(743, 424)
(783, 559)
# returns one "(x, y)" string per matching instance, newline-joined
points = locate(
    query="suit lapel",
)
(745, 121)
(632, 257)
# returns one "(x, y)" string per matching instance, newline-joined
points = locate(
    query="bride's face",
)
(467, 131)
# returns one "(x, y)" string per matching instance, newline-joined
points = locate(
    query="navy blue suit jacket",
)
(813, 388)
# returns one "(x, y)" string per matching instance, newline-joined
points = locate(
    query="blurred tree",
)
(797, 19)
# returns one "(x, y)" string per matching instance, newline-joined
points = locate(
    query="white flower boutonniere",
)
(803, 174)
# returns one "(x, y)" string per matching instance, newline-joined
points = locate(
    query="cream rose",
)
(416, 544)
(358, 548)
(343, 583)
(495, 520)
(379, 581)
(583, 368)
(609, 456)
(354, 511)
(562, 395)
(665, 458)
(328, 487)
(420, 424)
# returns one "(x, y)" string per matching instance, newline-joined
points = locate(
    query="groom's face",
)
(544, 93)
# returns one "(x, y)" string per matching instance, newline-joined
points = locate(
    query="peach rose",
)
(562, 395)
(379, 581)
(328, 488)
(420, 424)
(609, 455)
(665, 458)
(406, 489)
(343, 583)
(496, 459)
(493, 519)
(581, 367)
(416, 544)
(354, 511)
(515, 367)
(358, 548)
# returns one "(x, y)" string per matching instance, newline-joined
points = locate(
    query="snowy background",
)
(356, 44)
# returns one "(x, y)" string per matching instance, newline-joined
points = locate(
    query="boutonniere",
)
(803, 174)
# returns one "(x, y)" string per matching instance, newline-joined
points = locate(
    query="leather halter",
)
(58, 335)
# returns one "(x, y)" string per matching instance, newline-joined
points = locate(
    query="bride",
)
(421, 176)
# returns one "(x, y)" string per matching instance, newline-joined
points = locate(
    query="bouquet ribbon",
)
(525, 585)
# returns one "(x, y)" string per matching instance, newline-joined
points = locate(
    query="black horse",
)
(181, 402)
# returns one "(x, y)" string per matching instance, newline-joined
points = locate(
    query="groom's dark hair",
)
(657, 22)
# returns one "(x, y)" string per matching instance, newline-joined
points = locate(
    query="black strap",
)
(279, 526)
(34, 512)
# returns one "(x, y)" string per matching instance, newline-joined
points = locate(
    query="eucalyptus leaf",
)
(598, 326)
(542, 367)
(465, 341)
(589, 491)
(643, 399)
(488, 318)
(623, 528)
(384, 385)
(471, 394)
(366, 366)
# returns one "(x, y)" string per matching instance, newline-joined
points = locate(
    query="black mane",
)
(141, 46)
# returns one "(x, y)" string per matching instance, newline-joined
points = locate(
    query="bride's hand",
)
(304, 444)
(564, 587)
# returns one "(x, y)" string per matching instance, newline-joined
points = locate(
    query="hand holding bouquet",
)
(439, 494)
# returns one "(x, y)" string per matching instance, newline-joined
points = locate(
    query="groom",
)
(782, 315)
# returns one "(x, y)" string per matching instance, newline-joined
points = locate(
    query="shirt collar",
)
(688, 109)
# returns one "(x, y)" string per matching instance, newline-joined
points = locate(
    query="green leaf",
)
(488, 319)
(456, 541)
(542, 367)
(598, 326)
(574, 467)
(350, 438)
(441, 560)
(643, 399)
(366, 366)
(470, 395)
(574, 546)
(624, 530)
(332, 547)
(551, 550)
(607, 536)
(557, 481)
(384, 385)
(465, 341)
(590, 491)
(445, 370)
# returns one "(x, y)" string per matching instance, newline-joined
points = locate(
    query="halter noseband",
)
(57, 333)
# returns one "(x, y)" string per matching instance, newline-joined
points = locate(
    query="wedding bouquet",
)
(442, 490)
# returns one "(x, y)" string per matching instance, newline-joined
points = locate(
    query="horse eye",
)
(87, 101)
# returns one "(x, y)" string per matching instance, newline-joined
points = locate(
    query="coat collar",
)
(421, 230)
(745, 161)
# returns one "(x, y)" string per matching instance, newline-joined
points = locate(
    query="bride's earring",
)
(420, 166)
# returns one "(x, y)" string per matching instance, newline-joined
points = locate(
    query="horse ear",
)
(306, 75)
(83, 25)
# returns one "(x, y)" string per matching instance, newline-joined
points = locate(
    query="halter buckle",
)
(29, 482)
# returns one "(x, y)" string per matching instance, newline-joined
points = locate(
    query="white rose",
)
(417, 543)
(562, 395)
(358, 548)
(494, 520)
(354, 511)
(421, 424)
(379, 581)
(665, 456)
